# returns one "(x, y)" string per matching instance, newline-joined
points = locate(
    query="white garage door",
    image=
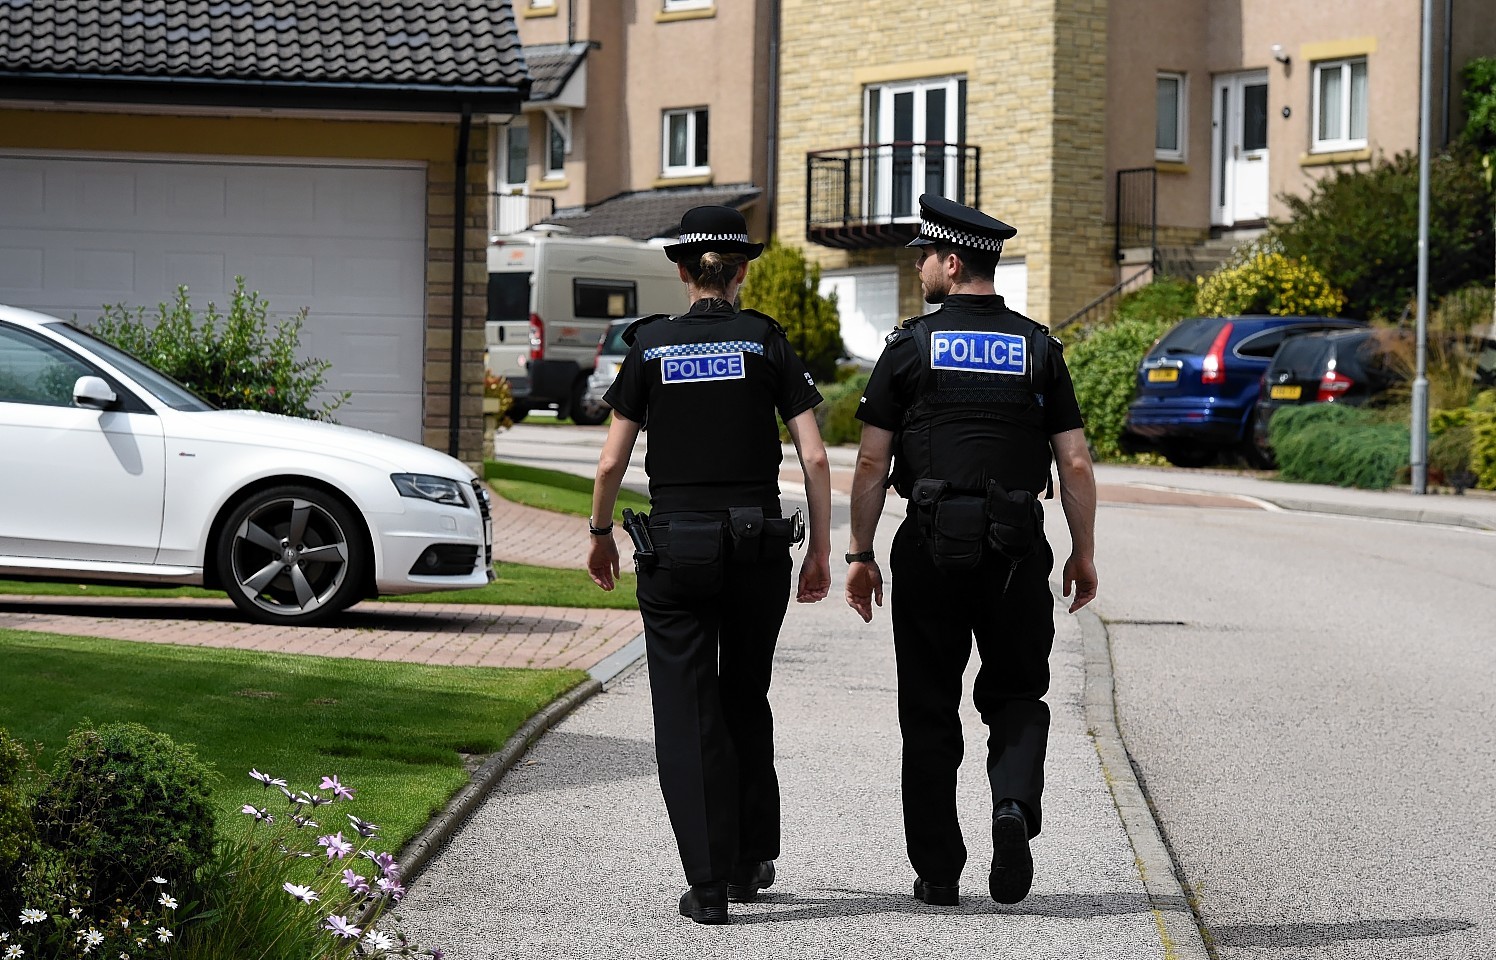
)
(867, 298)
(345, 241)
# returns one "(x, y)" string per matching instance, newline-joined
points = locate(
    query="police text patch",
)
(979, 351)
(701, 367)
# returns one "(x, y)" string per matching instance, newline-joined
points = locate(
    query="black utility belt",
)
(960, 528)
(697, 552)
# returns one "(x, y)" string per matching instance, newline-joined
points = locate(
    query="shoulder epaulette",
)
(903, 331)
(632, 330)
(774, 324)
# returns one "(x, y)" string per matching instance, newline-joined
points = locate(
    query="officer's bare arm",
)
(1078, 497)
(602, 551)
(869, 479)
(815, 575)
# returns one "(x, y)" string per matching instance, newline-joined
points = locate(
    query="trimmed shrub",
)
(1265, 281)
(837, 416)
(125, 804)
(18, 778)
(784, 285)
(1103, 364)
(1331, 443)
(1360, 230)
(231, 360)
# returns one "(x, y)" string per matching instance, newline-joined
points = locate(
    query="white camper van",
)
(551, 298)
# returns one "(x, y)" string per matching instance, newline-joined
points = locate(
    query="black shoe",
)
(747, 880)
(937, 896)
(705, 903)
(1012, 864)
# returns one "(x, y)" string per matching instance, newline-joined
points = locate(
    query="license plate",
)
(1163, 375)
(1285, 391)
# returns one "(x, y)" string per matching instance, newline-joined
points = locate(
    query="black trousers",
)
(935, 616)
(710, 659)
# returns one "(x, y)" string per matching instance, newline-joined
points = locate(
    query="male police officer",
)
(972, 400)
(710, 382)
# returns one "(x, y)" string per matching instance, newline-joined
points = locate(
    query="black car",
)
(1350, 367)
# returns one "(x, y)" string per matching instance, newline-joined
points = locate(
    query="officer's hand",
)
(602, 561)
(815, 578)
(864, 588)
(1081, 572)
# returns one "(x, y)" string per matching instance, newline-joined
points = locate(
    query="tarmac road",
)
(1308, 702)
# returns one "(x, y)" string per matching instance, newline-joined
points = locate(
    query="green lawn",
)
(392, 731)
(553, 489)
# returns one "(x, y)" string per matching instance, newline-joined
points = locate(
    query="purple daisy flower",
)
(340, 927)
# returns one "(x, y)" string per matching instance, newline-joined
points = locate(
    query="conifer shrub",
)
(782, 284)
(1331, 443)
(125, 804)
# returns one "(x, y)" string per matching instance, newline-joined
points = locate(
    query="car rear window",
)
(1190, 336)
(1302, 354)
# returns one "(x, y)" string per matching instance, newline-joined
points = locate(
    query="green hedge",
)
(837, 416)
(1343, 446)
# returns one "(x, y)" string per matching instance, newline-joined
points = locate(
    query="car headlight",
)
(423, 486)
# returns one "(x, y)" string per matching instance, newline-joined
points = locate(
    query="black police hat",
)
(712, 228)
(948, 222)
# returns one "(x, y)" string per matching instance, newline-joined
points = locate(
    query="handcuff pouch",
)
(694, 556)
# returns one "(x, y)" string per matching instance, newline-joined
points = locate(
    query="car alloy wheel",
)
(291, 555)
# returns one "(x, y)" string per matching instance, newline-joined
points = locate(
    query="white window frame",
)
(1181, 118)
(673, 5)
(879, 126)
(693, 167)
(505, 185)
(1344, 141)
(557, 123)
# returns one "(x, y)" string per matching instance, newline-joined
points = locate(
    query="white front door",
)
(1239, 169)
(512, 207)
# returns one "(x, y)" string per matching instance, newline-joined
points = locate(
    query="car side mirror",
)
(93, 393)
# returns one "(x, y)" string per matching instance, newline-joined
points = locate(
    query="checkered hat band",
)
(698, 237)
(939, 231)
(695, 349)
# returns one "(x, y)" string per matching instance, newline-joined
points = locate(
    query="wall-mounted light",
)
(1279, 55)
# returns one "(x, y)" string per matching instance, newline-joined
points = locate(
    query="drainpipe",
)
(571, 22)
(459, 258)
(770, 177)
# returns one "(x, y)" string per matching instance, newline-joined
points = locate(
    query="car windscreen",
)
(613, 344)
(162, 387)
(1190, 336)
(1301, 354)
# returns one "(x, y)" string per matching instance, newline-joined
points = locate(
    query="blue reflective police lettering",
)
(704, 366)
(979, 351)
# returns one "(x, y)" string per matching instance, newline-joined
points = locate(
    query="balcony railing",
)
(513, 212)
(868, 195)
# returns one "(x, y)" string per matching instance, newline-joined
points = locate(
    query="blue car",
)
(1197, 387)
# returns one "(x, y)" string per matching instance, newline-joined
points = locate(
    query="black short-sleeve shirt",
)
(708, 384)
(1015, 455)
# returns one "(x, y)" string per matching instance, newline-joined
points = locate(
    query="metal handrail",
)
(877, 184)
(514, 212)
(1093, 310)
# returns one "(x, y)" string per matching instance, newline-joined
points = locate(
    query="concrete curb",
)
(1408, 514)
(1178, 926)
(424, 846)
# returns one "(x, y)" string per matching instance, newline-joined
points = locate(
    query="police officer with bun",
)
(969, 404)
(713, 556)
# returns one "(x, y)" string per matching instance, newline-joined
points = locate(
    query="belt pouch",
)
(695, 556)
(747, 527)
(958, 528)
(1016, 521)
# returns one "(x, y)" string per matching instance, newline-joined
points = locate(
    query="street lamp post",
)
(1419, 452)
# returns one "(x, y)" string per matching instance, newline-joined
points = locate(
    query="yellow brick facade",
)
(1036, 80)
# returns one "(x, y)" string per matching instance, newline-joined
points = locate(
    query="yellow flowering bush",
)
(1266, 281)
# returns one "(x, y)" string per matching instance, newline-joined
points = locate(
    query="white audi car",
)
(112, 472)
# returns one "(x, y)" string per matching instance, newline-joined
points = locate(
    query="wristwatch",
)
(863, 556)
(599, 531)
